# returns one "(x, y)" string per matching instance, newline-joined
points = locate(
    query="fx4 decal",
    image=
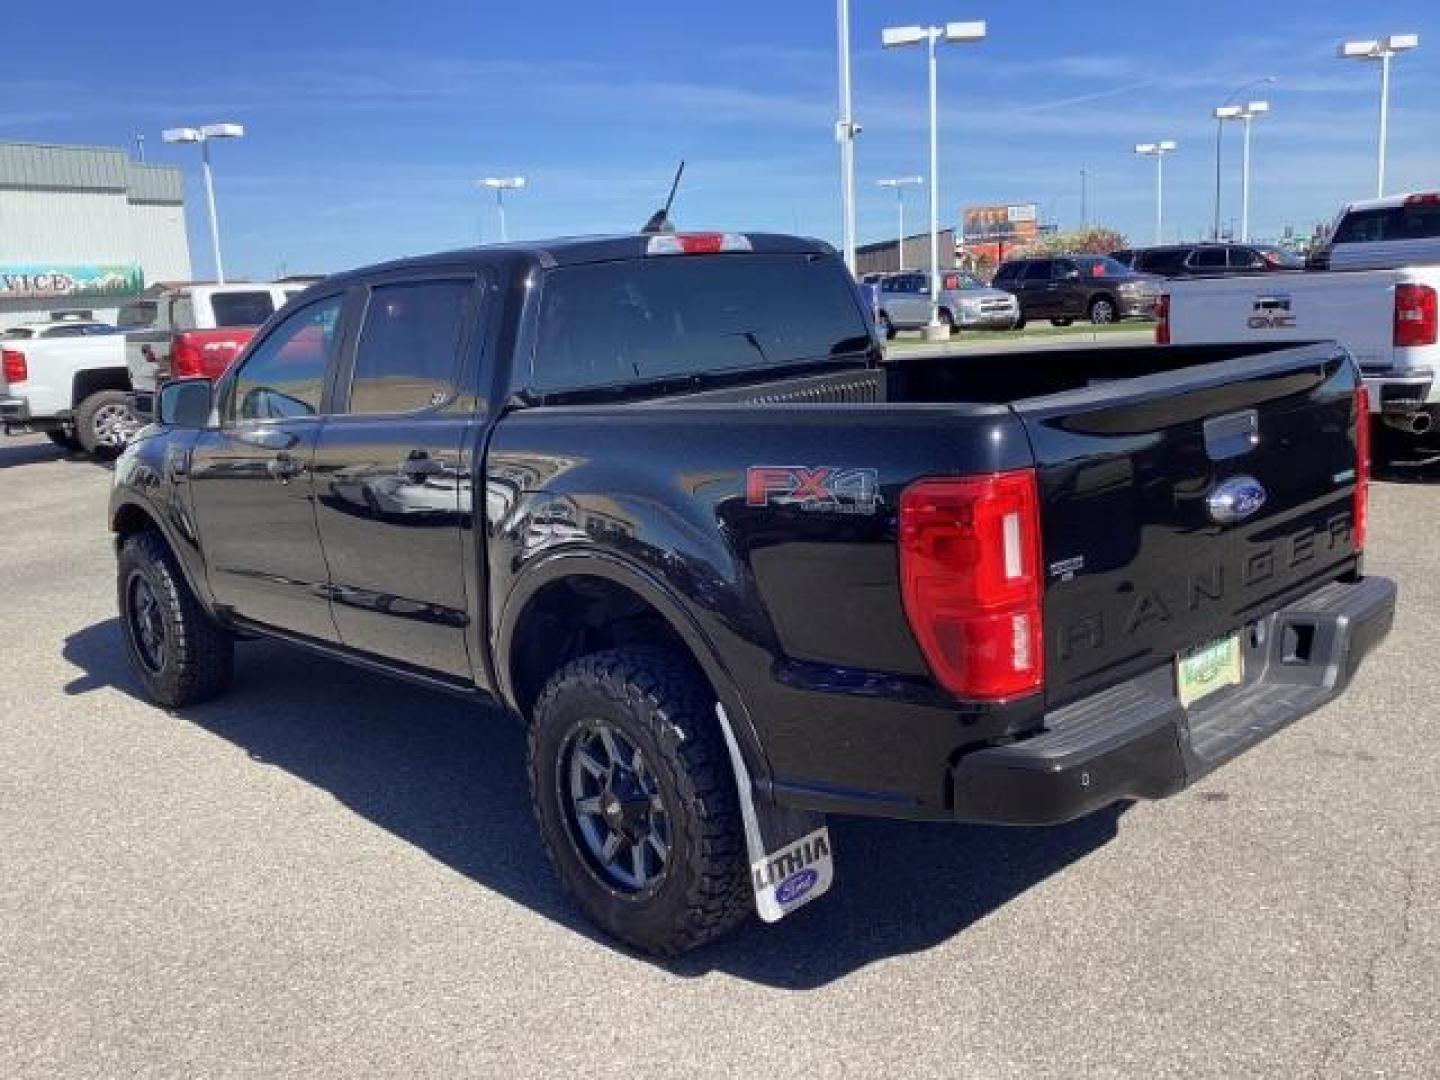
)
(823, 488)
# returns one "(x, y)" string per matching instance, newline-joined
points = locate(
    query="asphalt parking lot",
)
(328, 873)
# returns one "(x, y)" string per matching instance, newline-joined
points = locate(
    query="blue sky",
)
(369, 122)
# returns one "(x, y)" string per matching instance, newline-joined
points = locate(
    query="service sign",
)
(55, 281)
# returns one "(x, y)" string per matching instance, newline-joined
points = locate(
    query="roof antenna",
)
(660, 220)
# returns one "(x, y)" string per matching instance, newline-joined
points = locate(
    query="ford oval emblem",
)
(1235, 500)
(795, 886)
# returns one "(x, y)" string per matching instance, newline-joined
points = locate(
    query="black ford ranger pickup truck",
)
(667, 501)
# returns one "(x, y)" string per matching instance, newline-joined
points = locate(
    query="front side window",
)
(242, 308)
(284, 376)
(409, 346)
(1208, 259)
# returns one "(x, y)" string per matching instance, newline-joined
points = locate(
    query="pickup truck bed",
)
(724, 536)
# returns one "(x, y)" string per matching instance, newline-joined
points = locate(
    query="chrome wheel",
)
(113, 425)
(146, 623)
(617, 814)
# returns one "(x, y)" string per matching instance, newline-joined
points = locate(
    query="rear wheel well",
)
(576, 616)
(95, 380)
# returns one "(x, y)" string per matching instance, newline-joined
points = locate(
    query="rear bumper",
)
(1135, 740)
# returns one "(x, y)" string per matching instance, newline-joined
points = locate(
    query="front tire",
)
(104, 423)
(181, 654)
(636, 801)
(1061, 322)
(887, 327)
(947, 320)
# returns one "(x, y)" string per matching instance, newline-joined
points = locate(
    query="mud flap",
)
(789, 850)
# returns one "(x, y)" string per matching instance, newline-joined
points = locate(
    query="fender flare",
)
(130, 500)
(570, 564)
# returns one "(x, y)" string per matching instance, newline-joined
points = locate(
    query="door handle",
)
(419, 465)
(283, 467)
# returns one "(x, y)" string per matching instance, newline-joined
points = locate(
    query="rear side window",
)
(1160, 261)
(1208, 259)
(409, 347)
(284, 376)
(606, 324)
(241, 308)
(1038, 270)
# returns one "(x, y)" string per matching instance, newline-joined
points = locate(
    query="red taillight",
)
(1415, 315)
(185, 359)
(1360, 508)
(14, 365)
(697, 243)
(1430, 198)
(1162, 319)
(971, 580)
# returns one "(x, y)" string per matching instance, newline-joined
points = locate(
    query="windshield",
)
(604, 324)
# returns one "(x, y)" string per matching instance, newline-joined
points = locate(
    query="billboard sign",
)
(66, 281)
(1010, 221)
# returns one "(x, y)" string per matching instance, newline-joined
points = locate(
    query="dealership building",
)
(85, 229)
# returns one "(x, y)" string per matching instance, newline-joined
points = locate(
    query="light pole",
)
(845, 131)
(203, 135)
(1264, 80)
(897, 37)
(500, 185)
(1158, 150)
(1244, 113)
(900, 183)
(1384, 50)
(1084, 199)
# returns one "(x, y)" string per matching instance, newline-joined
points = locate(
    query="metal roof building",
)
(85, 228)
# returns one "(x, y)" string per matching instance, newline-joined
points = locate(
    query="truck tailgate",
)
(1355, 308)
(1141, 564)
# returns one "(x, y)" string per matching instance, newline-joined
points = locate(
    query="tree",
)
(1095, 240)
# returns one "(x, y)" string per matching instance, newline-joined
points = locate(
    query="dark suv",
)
(1197, 260)
(1069, 287)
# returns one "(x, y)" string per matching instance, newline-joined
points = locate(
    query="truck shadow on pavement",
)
(447, 776)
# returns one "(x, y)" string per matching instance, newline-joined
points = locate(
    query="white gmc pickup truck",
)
(1373, 287)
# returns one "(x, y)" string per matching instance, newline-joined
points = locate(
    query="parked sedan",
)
(1069, 287)
(965, 302)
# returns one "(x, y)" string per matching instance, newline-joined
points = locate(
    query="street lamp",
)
(845, 131)
(1384, 50)
(900, 183)
(1264, 80)
(899, 37)
(1244, 113)
(1158, 150)
(500, 185)
(203, 135)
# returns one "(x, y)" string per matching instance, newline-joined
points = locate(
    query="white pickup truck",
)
(1372, 287)
(81, 391)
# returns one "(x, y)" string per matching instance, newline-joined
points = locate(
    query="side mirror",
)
(185, 403)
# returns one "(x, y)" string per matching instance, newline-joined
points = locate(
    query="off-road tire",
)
(662, 705)
(199, 652)
(86, 417)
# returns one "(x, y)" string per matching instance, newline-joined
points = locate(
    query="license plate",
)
(1208, 668)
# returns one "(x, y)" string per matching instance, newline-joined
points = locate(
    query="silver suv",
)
(903, 303)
